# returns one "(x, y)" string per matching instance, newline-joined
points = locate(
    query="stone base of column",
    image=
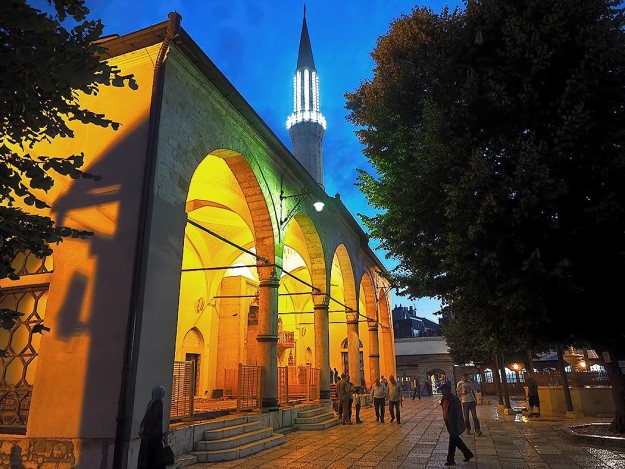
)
(324, 395)
(270, 405)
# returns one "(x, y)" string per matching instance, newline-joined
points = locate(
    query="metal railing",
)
(576, 379)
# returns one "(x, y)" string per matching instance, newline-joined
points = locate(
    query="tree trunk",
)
(530, 361)
(565, 381)
(617, 380)
(504, 380)
(483, 376)
(496, 378)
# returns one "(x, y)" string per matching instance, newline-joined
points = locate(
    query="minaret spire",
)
(306, 124)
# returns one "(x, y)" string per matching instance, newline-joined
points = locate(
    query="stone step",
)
(322, 417)
(320, 425)
(235, 440)
(240, 451)
(229, 421)
(225, 432)
(312, 412)
(183, 460)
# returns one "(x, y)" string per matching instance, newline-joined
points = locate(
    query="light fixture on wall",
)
(299, 200)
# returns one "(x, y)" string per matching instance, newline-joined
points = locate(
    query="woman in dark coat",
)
(454, 421)
(151, 432)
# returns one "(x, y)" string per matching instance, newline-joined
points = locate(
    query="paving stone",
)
(421, 442)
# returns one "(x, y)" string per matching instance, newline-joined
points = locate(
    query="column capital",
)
(321, 300)
(372, 326)
(268, 278)
(321, 308)
(352, 316)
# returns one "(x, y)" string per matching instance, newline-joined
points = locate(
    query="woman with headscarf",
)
(151, 432)
(454, 421)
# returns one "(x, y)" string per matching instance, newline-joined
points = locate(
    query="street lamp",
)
(299, 200)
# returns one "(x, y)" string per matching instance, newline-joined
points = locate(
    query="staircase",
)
(233, 438)
(317, 418)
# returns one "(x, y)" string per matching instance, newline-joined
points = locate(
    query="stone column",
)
(322, 344)
(374, 352)
(388, 357)
(353, 347)
(267, 337)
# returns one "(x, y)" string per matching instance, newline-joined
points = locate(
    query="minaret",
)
(306, 124)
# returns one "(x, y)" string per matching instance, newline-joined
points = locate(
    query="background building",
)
(207, 258)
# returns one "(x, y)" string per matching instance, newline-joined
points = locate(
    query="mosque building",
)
(218, 268)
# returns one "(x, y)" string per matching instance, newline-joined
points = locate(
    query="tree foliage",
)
(496, 132)
(48, 59)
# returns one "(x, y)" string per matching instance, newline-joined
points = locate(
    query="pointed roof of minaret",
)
(305, 57)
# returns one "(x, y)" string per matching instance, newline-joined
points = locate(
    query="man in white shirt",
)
(466, 393)
(379, 392)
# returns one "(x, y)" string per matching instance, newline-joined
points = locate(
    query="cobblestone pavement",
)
(508, 442)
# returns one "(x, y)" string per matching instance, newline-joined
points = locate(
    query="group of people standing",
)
(382, 392)
(346, 394)
(456, 409)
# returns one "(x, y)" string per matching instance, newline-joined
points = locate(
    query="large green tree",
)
(47, 59)
(497, 135)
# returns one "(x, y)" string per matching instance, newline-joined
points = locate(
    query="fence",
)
(250, 387)
(182, 390)
(576, 379)
(283, 385)
(314, 384)
(302, 382)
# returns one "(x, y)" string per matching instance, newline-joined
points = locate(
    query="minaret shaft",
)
(306, 124)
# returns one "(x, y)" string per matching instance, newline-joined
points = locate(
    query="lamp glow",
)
(318, 206)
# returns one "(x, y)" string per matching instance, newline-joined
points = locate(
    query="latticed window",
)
(21, 347)
(26, 263)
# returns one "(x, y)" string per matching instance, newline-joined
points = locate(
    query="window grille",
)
(21, 347)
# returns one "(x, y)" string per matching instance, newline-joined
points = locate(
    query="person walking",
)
(151, 432)
(378, 394)
(454, 421)
(416, 391)
(336, 376)
(394, 399)
(466, 393)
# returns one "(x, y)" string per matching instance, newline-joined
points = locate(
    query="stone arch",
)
(262, 223)
(316, 256)
(387, 340)
(369, 329)
(369, 300)
(229, 223)
(347, 272)
(193, 350)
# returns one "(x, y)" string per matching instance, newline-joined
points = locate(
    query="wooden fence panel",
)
(250, 387)
(181, 390)
(283, 385)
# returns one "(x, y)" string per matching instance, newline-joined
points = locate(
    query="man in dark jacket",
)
(454, 421)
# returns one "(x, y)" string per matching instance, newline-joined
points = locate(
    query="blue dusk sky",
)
(255, 44)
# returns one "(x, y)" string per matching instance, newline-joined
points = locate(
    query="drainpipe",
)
(133, 329)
